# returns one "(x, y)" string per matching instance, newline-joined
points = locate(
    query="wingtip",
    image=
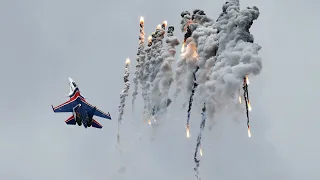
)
(109, 115)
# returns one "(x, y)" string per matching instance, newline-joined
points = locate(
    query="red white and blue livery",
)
(82, 111)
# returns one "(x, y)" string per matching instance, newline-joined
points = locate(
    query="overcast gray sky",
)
(42, 43)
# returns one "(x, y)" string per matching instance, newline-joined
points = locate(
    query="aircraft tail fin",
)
(96, 124)
(71, 120)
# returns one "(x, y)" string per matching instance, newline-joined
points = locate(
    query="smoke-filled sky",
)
(43, 43)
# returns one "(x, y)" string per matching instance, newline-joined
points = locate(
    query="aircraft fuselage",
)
(82, 116)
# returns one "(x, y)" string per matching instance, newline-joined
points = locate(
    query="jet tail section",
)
(71, 120)
(96, 124)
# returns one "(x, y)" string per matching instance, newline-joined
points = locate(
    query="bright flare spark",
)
(149, 122)
(128, 61)
(247, 80)
(194, 49)
(182, 47)
(240, 99)
(165, 23)
(188, 131)
(201, 151)
(249, 106)
(249, 132)
(141, 19)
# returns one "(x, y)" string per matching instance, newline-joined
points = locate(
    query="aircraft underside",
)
(80, 120)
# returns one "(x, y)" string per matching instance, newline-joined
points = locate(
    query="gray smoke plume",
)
(123, 95)
(164, 78)
(191, 57)
(237, 55)
(140, 62)
(145, 75)
(205, 36)
(156, 60)
(181, 63)
(186, 19)
(166, 68)
(181, 68)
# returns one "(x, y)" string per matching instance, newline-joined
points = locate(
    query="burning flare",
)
(249, 132)
(165, 23)
(182, 47)
(140, 62)
(128, 61)
(188, 131)
(149, 41)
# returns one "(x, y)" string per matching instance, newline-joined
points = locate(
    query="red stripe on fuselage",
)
(75, 96)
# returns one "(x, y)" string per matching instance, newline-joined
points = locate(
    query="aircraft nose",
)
(70, 80)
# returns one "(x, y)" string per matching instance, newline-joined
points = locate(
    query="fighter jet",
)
(82, 111)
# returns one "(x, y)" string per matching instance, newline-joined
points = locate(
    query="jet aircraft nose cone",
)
(70, 80)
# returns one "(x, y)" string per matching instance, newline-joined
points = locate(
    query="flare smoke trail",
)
(195, 84)
(145, 74)
(200, 30)
(166, 75)
(202, 126)
(123, 95)
(181, 63)
(237, 55)
(247, 101)
(190, 56)
(198, 16)
(164, 78)
(140, 62)
(157, 50)
(205, 36)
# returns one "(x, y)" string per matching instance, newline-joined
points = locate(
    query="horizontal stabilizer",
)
(71, 121)
(96, 124)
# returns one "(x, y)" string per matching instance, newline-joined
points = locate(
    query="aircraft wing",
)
(98, 112)
(65, 107)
